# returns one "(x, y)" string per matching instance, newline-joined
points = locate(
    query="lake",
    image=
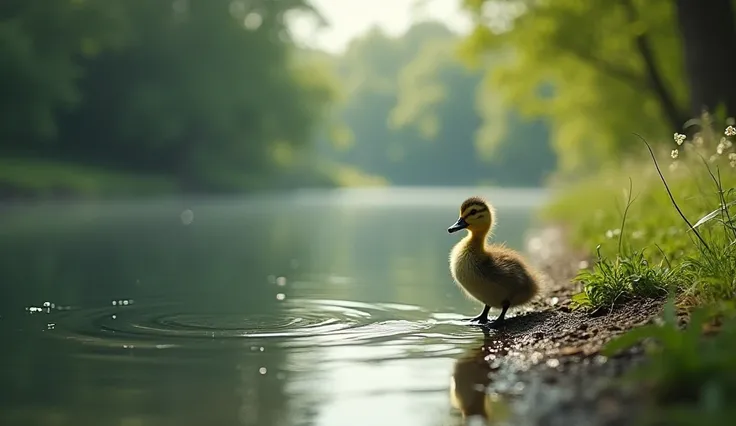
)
(325, 308)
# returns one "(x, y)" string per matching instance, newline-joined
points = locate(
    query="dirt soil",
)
(545, 362)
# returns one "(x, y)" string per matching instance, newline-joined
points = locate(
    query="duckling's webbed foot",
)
(502, 317)
(482, 318)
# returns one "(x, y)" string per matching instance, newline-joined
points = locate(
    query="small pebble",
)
(568, 350)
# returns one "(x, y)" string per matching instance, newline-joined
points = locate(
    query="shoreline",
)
(546, 363)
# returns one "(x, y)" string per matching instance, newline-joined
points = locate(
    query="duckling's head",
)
(475, 215)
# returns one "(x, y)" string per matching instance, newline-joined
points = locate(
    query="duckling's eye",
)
(472, 212)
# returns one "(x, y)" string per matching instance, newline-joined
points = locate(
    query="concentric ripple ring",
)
(300, 322)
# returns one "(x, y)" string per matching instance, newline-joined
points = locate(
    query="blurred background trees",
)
(615, 67)
(215, 95)
(202, 91)
(418, 116)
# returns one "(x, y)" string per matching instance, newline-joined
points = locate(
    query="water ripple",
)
(301, 323)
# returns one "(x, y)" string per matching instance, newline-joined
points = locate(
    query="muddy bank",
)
(545, 365)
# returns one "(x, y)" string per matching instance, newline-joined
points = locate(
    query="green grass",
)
(617, 280)
(28, 178)
(657, 229)
(690, 376)
(654, 233)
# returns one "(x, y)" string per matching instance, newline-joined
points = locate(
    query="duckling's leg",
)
(502, 317)
(482, 318)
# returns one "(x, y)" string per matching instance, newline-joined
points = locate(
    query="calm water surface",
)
(316, 308)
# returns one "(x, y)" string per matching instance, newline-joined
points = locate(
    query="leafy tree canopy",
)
(582, 65)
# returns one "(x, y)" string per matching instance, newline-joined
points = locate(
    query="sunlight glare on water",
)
(322, 308)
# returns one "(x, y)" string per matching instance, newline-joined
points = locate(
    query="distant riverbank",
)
(26, 179)
(41, 180)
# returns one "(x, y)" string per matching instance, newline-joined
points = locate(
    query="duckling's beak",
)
(460, 224)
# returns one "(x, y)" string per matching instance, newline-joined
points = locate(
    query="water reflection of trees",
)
(144, 254)
(216, 266)
(174, 389)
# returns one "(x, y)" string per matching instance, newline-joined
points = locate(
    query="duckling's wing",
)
(503, 267)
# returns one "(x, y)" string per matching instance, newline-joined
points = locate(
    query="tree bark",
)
(708, 35)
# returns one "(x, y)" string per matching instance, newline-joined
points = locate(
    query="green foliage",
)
(204, 91)
(415, 115)
(39, 42)
(692, 377)
(587, 53)
(40, 178)
(591, 211)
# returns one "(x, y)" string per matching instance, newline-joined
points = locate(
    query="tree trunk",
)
(709, 43)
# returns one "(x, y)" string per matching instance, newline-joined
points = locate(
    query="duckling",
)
(493, 274)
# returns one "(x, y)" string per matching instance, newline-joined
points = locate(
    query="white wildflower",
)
(675, 153)
(679, 138)
(730, 131)
(732, 156)
(722, 146)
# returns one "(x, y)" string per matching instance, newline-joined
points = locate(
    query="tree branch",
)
(621, 73)
(674, 114)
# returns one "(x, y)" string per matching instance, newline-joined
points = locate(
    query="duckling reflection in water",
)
(470, 379)
(493, 274)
